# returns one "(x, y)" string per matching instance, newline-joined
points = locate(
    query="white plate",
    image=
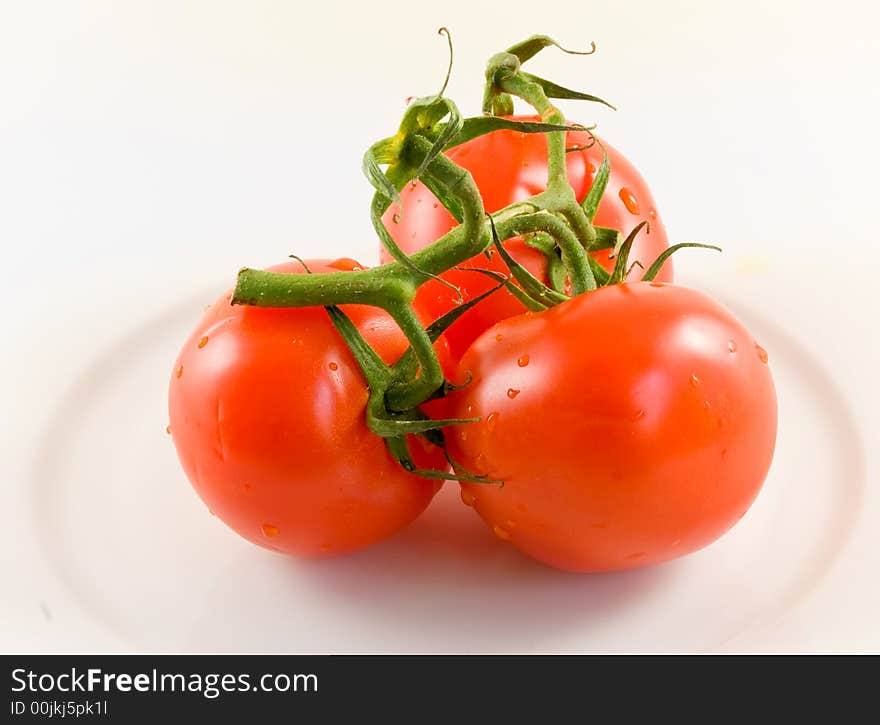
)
(151, 148)
(132, 560)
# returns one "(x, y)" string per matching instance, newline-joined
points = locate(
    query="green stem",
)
(259, 288)
(410, 393)
(472, 239)
(416, 151)
(559, 196)
(392, 286)
(580, 223)
(533, 94)
(574, 256)
(394, 280)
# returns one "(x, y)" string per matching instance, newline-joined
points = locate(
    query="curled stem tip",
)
(300, 260)
(445, 31)
(578, 52)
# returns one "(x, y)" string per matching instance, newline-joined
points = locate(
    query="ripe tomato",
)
(630, 425)
(510, 166)
(267, 412)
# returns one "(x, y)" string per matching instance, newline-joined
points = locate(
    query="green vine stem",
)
(533, 94)
(552, 221)
(574, 256)
(416, 152)
(392, 286)
(504, 79)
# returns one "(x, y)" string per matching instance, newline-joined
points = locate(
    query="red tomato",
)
(510, 166)
(630, 425)
(267, 412)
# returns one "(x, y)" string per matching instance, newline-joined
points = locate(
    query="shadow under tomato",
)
(447, 584)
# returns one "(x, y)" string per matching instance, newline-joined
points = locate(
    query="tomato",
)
(630, 425)
(267, 411)
(510, 166)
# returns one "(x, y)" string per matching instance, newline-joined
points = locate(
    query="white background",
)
(149, 149)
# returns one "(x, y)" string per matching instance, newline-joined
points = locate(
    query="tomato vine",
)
(554, 220)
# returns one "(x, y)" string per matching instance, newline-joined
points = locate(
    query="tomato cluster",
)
(594, 429)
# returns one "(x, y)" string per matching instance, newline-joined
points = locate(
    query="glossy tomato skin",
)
(267, 410)
(630, 425)
(509, 166)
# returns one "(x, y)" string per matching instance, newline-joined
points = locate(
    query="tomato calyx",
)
(537, 296)
(509, 63)
(395, 427)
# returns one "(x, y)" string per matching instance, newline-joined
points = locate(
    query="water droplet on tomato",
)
(501, 533)
(639, 414)
(481, 465)
(470, 409)
(638, 555)
(707, 404)
(168, 429)
(203, 342)
(180, 371)
(491, 421)
(395, 217)
(629, 200)
(731, 346)
(652, 213)
(463, 435)
(467, 498)
(499, 337)
(762, 353)
(695, 381)
(270, 530)
(523, 361)
(512, 393)
(333, 366)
